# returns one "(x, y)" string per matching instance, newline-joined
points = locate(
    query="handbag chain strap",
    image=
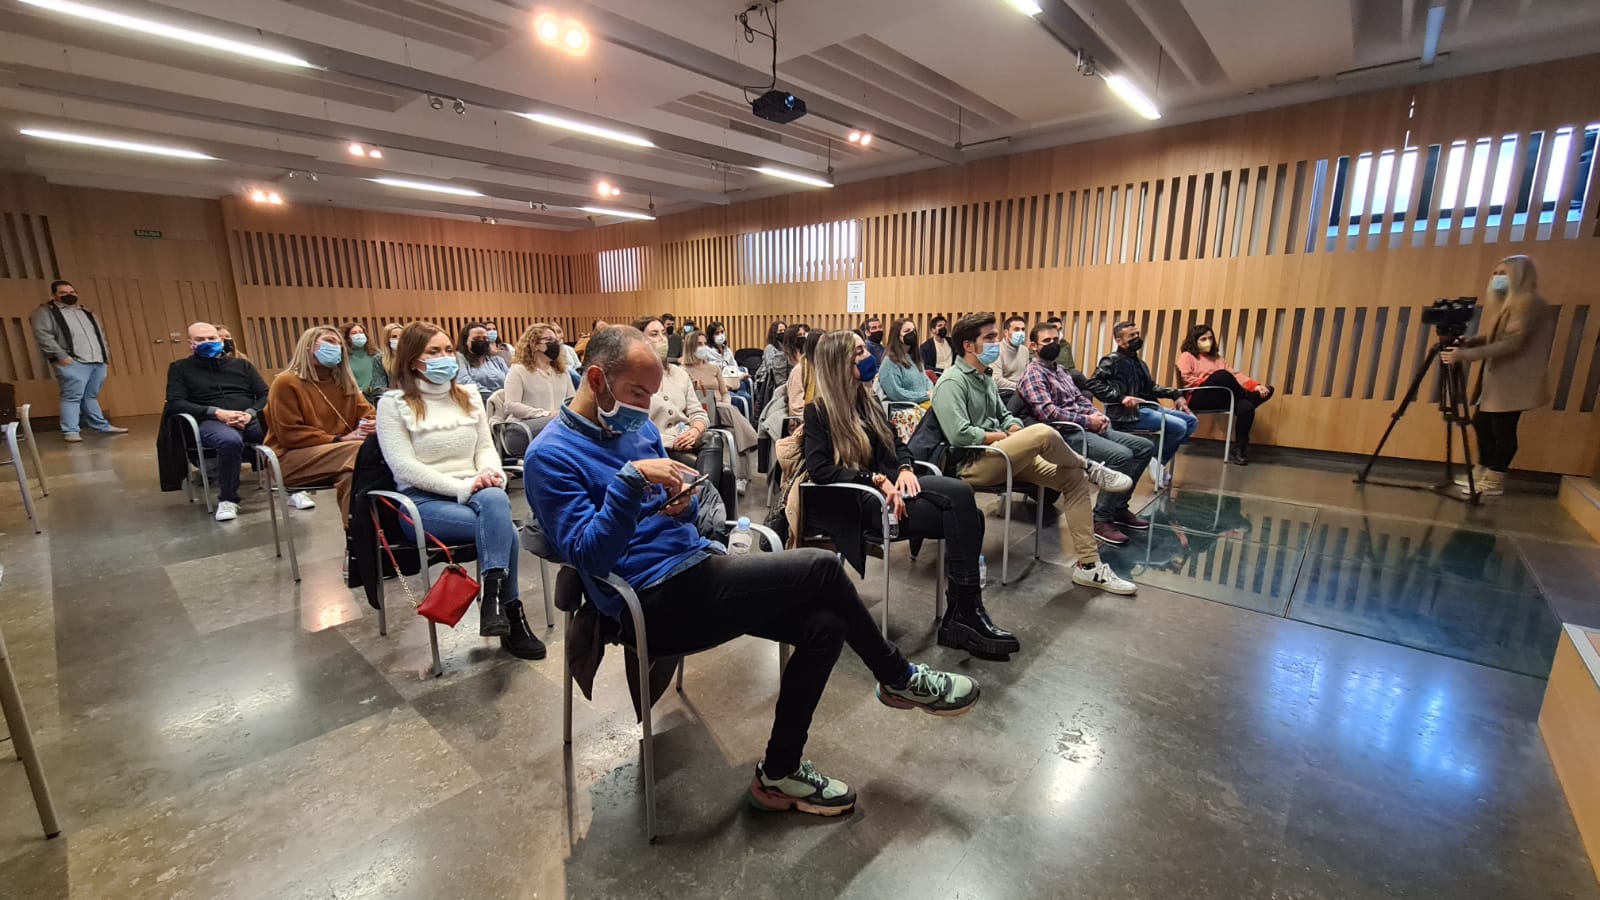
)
(384, 540)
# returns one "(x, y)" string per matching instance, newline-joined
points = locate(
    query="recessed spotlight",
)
(855, 137)
(565, 34)
(258, 195)
(374, 153)
(866, 139)
(547, 28)
(607, 189)
(575, 38)
(274, 198)
(357, 150)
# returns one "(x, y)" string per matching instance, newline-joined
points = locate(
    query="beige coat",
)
(1515, 352)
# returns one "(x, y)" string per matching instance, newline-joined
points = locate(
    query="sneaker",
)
(112, 429)
(1108, 480)
(1477, 476)
(1108, 533)
(1158, 475)
(73, 438)
(302, 500)
(934, 692)
(227, 511)
(742, 485)
(807, 791)
(1490, 484)
(1126, 520)
(1101, 577)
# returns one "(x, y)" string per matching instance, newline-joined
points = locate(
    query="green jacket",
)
(967, 405)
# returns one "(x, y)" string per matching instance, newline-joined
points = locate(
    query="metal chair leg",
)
(1038, 519)
(887, 547)
(16, 718)
(22, 475)
(433, 646)
(25, 418)
(938, 585)
(549, 594)
(288, 533)
(680, 674)
(566, 696)
(1005, 535)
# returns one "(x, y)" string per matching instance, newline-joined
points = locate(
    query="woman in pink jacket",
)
(1201, 365)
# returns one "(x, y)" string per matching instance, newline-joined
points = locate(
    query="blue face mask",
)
(330, 355)
(989, 354)
(208, 349)
(623, 418)
(440, 369)
(1017, 337)
(867, 367)
(493, 336)
(358, 341)
(1499, 283)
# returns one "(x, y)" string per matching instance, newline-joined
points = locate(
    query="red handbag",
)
(453, 590)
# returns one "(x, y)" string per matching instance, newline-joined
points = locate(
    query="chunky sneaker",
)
(1158, 475)
(1477, 476)
(302, 500)
(73, 438)
(742, 485)
(807, 791)
(227, 511)
(1108, 533)
(1108, 480)
(934, 692)
(1490, 484)
(1126, 520)
(1101, 577)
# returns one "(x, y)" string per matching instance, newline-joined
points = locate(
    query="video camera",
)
(1450, 318)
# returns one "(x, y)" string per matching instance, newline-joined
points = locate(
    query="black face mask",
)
(910, 338)
(1050, 352)
(69, 299)
(669, 329)
(479, 347)
(553, 351)
(1135, 345)
(942, 332)
(875, 336)
(227, 347)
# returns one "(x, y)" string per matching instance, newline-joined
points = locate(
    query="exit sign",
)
(146, 233)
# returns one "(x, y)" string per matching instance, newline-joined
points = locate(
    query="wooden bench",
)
(1570, 723)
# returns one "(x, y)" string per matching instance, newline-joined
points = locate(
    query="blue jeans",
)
(1179, 426)
(484, 521)
(229, 443)
(80, 393)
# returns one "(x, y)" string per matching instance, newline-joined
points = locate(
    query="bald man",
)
(226, 395)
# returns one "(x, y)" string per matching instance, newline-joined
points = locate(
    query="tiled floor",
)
(213, 729)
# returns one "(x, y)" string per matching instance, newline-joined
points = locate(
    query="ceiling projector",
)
(778, 106)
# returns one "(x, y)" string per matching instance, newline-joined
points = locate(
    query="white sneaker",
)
(1108, 480)
(1102, 578)
(743, 484)
(302, 500)
(1158, 475)
(227, 511)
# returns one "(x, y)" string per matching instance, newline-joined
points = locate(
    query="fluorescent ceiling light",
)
(1026, 7)
(1430, 38)
(801, 177)
(425, 186)
(112, 144)
(1132, 96)
(585, 128)
(170, 32)
(623, 213)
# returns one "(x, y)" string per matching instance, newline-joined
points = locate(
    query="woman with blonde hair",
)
(435, 439)
(848, 440)
(1514, 342)
(316, 416)
(538, 384)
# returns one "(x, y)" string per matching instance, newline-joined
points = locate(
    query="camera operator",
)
(1515, 350)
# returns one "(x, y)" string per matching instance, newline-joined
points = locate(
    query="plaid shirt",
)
(1052, 395)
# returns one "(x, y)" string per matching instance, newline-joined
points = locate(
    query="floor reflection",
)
(1447, 590)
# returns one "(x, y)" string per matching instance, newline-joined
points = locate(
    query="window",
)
(619, 269)
(803, 253)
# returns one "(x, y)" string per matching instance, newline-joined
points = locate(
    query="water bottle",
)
(894, 526)
(983, 572)
(742, 538)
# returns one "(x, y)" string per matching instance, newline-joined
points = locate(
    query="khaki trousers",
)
(1039, 456)
(323, 464)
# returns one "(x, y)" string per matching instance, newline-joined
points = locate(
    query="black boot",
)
(966, 626)
(492, 604)
(1240, 454)
(521, 642)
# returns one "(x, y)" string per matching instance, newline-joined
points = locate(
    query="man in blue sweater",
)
(599, 482)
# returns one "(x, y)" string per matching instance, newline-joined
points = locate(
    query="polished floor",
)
(1319, 692)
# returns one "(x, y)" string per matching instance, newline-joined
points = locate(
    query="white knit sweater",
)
(444, 452)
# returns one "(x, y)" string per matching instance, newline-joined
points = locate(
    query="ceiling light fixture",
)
(258, 195)
(170, 32)
(266, 198)
(357, 150)
(607, 189)
(620, 213)
(564, 34)
(800, 177)
(585, 128)
(427, 186)
(1026, 7)
(1132, 96)
(374, 153)
(547, 28)
(436, 101)
(861, 138)
(112, 144)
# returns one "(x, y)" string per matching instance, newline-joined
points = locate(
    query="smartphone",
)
(687, 489)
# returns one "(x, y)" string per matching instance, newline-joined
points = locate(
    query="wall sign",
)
(855, 294)
(147, 233)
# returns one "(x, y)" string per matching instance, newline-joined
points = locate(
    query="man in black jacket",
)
(1123, 383)
(226, 396)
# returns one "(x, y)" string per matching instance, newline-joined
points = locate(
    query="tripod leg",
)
(1394, 418)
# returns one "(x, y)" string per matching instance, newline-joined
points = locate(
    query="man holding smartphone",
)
(610, 502)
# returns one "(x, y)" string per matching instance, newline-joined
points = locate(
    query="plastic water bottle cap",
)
(980, 557)
(744, 521)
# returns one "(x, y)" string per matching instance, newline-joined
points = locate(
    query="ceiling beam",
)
(625, 32)
(66, 84)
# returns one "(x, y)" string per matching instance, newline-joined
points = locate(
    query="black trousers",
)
(1497, 438)
(947, 509)
(797, 597)
(1245, 402)
(707, 460)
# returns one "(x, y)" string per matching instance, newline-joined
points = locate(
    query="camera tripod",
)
(1453, 407)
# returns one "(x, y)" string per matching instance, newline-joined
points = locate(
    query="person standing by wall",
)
(1515, 350)
(70, 338)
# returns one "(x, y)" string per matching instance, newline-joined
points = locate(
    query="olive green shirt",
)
(967, 404)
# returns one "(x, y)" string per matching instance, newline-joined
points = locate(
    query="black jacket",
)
(368, 562)
(844, 516)
(930, 354)
(1125, 375)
